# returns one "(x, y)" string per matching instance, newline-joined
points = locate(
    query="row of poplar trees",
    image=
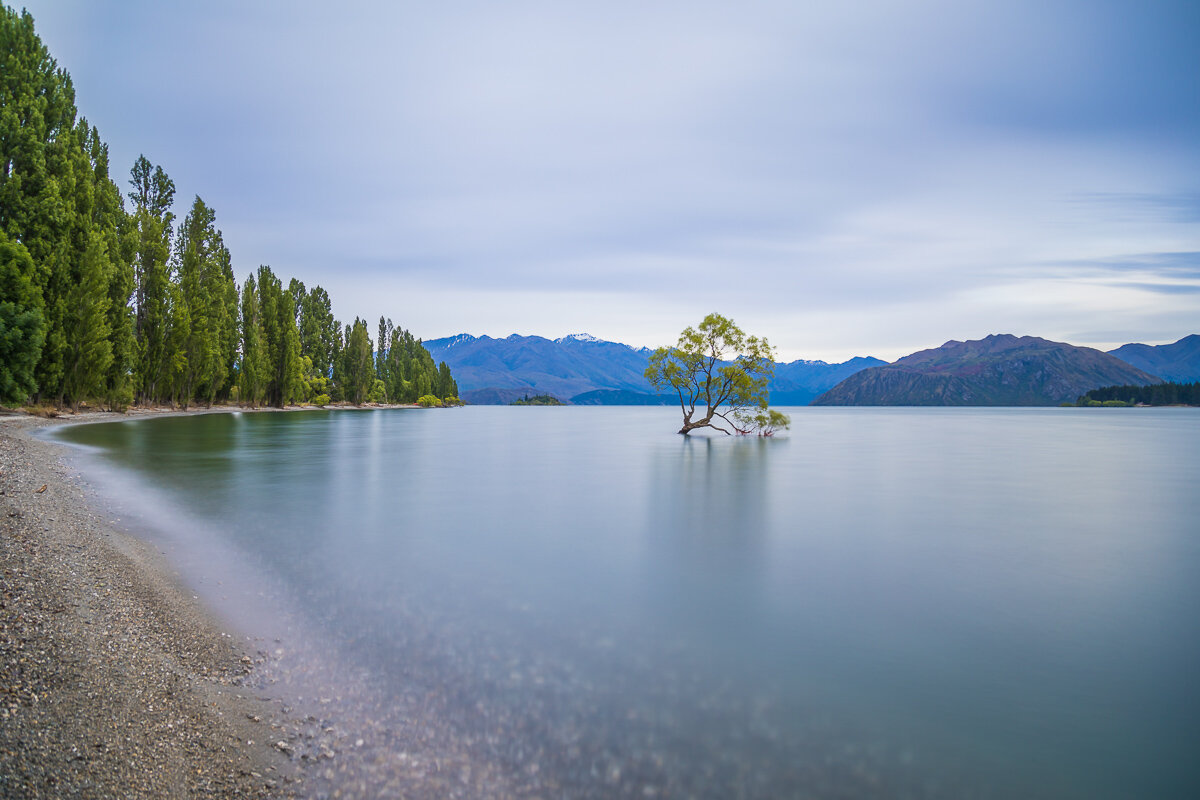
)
(117, 303)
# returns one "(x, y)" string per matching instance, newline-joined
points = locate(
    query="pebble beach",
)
(114, 682)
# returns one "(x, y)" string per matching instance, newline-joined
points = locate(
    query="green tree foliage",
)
(89, 252)
(337, 367)
(1156, 394)
(358, 368)
(407, 369)
(254, 367)
(377, 394)
(57, 201)
(87, 353)
(100, 303)
(208, 298)
(37, 122)
(282, 340)
(55, 198)
(447, 387)
(383, 342)
(720, 376)
(22, 326)
(114, 226)
(150, 225)
(538, 400)
(298, 292)
(315, 387)
(319, 331)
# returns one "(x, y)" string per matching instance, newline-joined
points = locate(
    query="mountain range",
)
(996, 370)
(588, 371)
(491, 371)
(999, 370)
(1178, 362)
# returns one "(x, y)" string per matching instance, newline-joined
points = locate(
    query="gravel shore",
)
(114, 682)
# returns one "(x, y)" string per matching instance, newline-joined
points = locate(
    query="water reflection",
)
(710, 500)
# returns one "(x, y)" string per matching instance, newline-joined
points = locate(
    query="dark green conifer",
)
(254, 366)
(151, 222)
(358, 367)
(22, 326)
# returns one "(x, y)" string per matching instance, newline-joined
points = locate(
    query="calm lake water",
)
(577, 602)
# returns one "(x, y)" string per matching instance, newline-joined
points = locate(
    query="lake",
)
(577, 602)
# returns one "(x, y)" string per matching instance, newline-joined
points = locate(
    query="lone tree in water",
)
(720, 373)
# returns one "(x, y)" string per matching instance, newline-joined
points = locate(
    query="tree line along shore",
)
(1155, 394)
(111, 298)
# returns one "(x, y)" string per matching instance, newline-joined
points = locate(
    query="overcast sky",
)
(845, 178)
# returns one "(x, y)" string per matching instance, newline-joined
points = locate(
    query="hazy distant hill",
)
(562, 368)
(1001, 370)
(798, 383)
(590, 371)
(622, 397)
(1172, 362)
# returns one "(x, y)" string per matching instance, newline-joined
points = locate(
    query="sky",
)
(845, 179)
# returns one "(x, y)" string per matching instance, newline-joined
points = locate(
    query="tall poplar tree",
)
(87, 352)
(446, 387)
(358, 367)
(151, 221)
(89, 254)
(206, 289)
(112, 222)
(338, 361)
(226, 287)
(298, 292)
(319, 331)
(37, 122)
(254, 368)
(282, 339)
(22, 326)
(382, 346)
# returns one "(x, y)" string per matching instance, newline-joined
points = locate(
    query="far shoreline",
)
(85, 413)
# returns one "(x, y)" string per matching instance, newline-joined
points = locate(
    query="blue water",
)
(579, 602)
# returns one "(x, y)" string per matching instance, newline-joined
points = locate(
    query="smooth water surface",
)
(882, 603)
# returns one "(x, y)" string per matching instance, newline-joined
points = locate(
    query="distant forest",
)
(119, 302)
(1156, 394)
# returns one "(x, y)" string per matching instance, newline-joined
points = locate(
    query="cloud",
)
(834, 172)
